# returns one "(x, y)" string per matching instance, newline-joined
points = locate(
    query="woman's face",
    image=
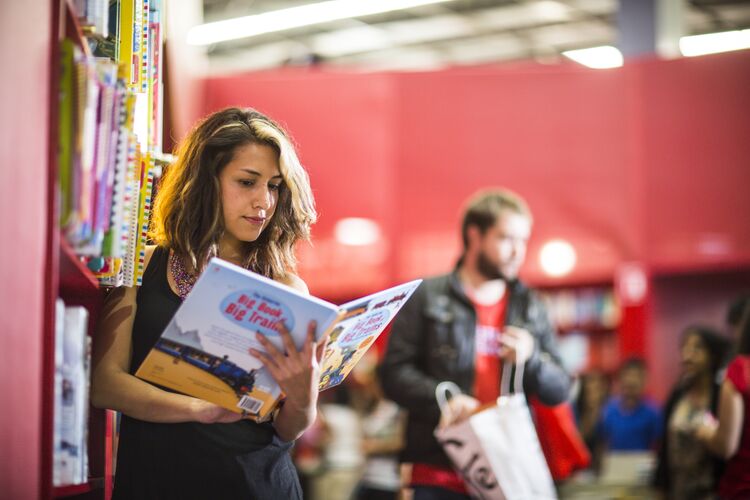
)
(250, 185)
(595, 386)
(695, 356)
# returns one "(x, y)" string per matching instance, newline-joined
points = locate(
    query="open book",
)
(204, 351)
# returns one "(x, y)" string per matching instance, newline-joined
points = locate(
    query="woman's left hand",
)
(296, 372)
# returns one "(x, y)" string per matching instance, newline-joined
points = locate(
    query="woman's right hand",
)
(209, 413)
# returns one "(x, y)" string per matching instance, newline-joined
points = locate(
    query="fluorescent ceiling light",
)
(712, 43)
(295, 17)
(602, 57)
(350, 41)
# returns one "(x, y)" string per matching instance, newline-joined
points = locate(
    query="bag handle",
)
(517, 380)
(442, 391)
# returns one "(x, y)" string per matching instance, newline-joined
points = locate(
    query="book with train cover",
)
(205, 349)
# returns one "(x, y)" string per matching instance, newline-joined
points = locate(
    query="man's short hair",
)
(633, 363)
(484, 208)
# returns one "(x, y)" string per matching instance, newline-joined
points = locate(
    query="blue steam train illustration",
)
(240, 380)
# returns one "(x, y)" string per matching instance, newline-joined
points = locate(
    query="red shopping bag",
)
(561, 442)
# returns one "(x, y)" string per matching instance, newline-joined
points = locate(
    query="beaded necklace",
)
(182, 278)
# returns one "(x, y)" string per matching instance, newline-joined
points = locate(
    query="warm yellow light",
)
(357, 231)
(557, 258)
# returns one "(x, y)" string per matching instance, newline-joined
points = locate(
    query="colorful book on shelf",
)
(156, 89)
(204, 351)
(129, 37)
(145, 45)
(94, 15)
(104, 189)
(144, 212)
(66, 128)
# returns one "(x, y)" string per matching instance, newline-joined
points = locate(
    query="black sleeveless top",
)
(241, 460)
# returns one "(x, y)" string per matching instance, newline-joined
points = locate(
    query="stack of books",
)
(110, 130)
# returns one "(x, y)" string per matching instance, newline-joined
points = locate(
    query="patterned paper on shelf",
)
(145, 47)
(143, 216)
(129, 264)
(156, 89)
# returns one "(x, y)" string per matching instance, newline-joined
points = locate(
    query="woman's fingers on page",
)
(277, 364)
(321, 348)
(310, 339)
(286, 339)
(267, 361)
(272, 353)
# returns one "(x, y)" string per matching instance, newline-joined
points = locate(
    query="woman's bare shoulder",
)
(295, 282)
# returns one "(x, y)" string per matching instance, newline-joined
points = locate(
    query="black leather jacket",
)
(432, 340)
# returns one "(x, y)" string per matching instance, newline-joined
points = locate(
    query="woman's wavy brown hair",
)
(187, 215)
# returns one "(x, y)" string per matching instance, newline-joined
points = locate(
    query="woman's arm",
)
(112, 386)
(724, 439)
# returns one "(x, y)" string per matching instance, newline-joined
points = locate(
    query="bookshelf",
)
(587, 318)
(73, 245)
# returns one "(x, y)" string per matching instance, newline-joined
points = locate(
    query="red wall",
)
(646, 164)
(558, 137)
(696, 139)
(25, 41)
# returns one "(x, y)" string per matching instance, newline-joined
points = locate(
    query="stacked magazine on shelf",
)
(72, 372)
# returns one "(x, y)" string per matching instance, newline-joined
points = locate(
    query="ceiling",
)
(455, 32)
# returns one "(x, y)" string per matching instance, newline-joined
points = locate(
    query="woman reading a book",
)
(236, 191)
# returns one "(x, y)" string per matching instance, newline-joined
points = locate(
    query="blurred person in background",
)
(343, 459)
(630, 422)
(592, 396)
(383, 425)
(734, 317)
(729, 437)
(462, 327)
(685, 469)
(309, 453)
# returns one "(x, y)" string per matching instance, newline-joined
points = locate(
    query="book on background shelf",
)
(59, 458)
(582, 309)
(94, 15)
(72, 361)
(110, 127)
(204, 351)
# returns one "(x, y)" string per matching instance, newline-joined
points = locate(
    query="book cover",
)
(204, 351)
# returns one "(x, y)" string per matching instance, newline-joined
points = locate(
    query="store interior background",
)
(644, 169)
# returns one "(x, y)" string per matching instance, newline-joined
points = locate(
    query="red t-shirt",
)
(487, 370)
(487, 366)
(735, 482)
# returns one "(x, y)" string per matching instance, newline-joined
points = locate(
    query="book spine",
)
(58, 460)
(75, 399)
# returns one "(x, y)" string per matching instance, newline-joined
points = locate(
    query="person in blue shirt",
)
(630, 422)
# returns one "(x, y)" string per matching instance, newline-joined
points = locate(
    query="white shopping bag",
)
(496, 450)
